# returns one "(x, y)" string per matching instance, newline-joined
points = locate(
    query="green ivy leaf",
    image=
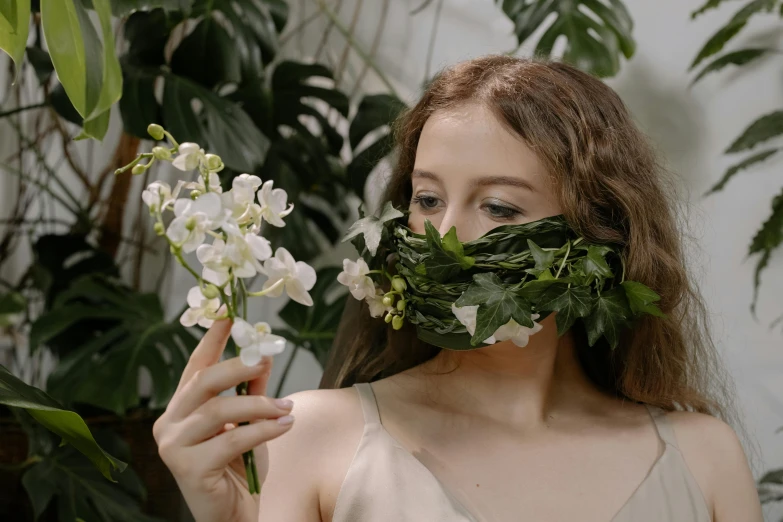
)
(447, 255)
(569, 303)
(609, 317)
(594, 265)
(642, 299)
(747, 162)
(533, 290)
(497, 305)
(739, 58)
(765, 128)
(543, 258)
(372, 227)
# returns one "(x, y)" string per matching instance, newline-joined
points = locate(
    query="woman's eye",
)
(426, 202)
(502, 212)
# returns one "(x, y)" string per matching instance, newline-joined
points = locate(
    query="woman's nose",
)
(462, 220)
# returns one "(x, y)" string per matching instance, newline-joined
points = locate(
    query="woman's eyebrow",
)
(503, 180)
(418, 173)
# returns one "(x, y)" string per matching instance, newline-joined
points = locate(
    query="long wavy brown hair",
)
(611, 188)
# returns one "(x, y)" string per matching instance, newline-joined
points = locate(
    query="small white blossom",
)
(240, 254)
(255, 341)
(240, 201)
(194, 218)
(200, 186)
(297, 276)
(354, 276)
(158, 196)
(189, 157)
(519, 335)
(273, 204)
(202, 311)
(375, 302)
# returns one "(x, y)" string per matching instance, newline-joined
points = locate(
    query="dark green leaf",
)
(138, 104)
(711, 4)
(594, 265)
(120, 8)
(747, 162)
(569, 303)
(719, 40)
(447, 257)
(363, 163)
(221, 126)
(11, 304)
(146, 35)
(375, 112)
(533, 290)
(208, 43)
(497, 306)
(42, 64)
(767, 239)
(609, 317)
(67, 424)
(772, 477)
(544, 258)
(597, 35)
(740, 57)
(63, 106)
(765, 128)
(641, 299)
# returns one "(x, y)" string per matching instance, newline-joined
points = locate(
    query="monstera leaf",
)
(598, 31)
(128, 333)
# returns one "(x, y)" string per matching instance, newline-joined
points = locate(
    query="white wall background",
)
(690, 126)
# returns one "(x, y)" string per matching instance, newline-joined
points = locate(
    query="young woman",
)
(552, 431)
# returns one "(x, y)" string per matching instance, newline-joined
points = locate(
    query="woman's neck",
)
(522, 387)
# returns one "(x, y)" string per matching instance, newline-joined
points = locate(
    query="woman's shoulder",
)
(716, 458)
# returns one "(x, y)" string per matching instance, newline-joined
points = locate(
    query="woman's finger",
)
(258, 386)
(219, 451)
(210, 418)
(208, 351)
(208, 382)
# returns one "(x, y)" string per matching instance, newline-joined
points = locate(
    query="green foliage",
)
(739, 58)
(80, 492)
(497, 305)
(447, 256)
(597, 33)
(767, 239)
(104, 371)
(744, 164)
(67, 424)
(765, 128)
(14, 28)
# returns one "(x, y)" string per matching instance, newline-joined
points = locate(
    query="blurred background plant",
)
(765, 130)
(84, 308)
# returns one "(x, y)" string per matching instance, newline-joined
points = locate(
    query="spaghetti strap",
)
(662, 425)
(368, 402)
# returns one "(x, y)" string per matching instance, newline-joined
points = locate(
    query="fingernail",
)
(285, 421)
(284, 404)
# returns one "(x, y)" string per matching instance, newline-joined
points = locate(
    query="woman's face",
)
(472, 173)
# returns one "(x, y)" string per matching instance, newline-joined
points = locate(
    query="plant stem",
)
(287, 368)
(340, 27)
(22, 109)
(272, 288)
(568, 251)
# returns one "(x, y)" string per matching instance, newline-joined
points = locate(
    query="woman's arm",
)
(716, 458)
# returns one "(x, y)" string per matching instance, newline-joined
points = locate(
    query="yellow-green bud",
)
(388, 300)
(399, 284)
(190, 224)
(214, 162)
(139, 169)
(158, 228)
(401, 304)
(161, 153)
(388, 318)
(195, 194)
(155, 130)
(397, 322)
(210, 291)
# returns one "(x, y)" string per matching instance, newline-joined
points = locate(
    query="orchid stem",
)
(269, 290)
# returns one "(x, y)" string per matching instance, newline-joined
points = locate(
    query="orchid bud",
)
(214, 162)
(161, 153)
(158, 228)
(155, 130)
(388, 318)
(210, 291)
(397, 322)
(388, 300)
(401, 305)
(190, 224)
(399, 284)
(139, 169)
(194, 194)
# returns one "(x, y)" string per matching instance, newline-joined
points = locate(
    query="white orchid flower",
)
(255, 341)
(516, 333)
(240, 255)
(199, 185)
(375, 302)
(240, 200)
(273, 204)
(158, 196)
(354, 276)
(202, 311)
(194, 218)
(189, 157)
(296, 276)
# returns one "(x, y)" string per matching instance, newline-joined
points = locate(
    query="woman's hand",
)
(199, 438)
